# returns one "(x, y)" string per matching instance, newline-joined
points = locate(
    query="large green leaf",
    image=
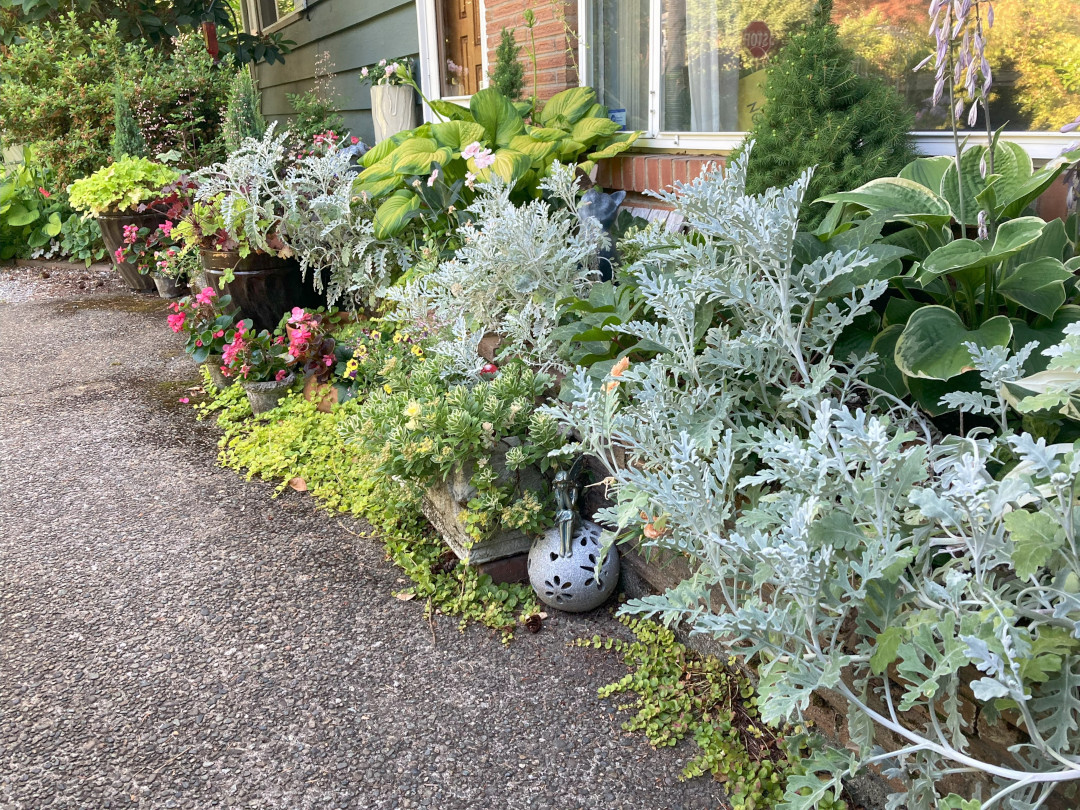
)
(568, 107)
(1044, 333)
(497, 114)
(887, 376)
(931, 345)
(450, 111)
(540, 152)
(1022, 195)
(621, 143)
(510, 164)
(899, 197)
(969, 254)
(1012, 168)
(456, 135)
(394, 214)
(1038, 286)
(52, 228)
(416, 155)
(379, 151)
(928, 393)
(590, 130)
(19, 215)
(927, 171)
(551, 134)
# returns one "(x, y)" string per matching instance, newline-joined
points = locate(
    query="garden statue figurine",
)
(604, 208)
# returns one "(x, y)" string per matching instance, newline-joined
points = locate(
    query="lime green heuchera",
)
(120, 186)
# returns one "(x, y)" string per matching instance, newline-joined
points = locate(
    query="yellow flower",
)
(417, 351)
(387, 388)
(412, 409)
(376, 336)
(397, 337)
(351, 366)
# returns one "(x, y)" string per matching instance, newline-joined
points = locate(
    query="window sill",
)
(1040, 145)
(290, 18)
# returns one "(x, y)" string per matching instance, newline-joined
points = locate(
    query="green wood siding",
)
(355, 33)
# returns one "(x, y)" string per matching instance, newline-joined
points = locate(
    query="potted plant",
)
(121, 194)
(393, 105)
(261, 363)
(154, 252)
(235, 222)
(208, 321)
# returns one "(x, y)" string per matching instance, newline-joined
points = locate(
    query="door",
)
(462, 50)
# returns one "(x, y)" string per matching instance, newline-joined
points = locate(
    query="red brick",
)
(654, 173)
(665, 173)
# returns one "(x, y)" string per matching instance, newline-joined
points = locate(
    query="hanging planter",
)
(393, 109)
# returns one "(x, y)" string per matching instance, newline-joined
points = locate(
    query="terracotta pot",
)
(169, 287)
(265, 396)
(264, 287)
(393, 110)
(112, 233)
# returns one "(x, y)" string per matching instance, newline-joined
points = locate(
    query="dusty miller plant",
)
(514, 265)
(830, 537)
(330, 228)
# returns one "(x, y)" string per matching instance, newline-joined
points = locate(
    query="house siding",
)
(355, 33)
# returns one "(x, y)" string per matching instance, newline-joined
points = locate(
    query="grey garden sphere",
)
(569, 583)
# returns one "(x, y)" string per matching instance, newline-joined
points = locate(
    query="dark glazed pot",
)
(112, 233)
(264, 287)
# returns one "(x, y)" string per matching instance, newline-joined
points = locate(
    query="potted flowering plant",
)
(121, 194)
(261, 363)
(393, 105)
(208, 321)
(155, 252)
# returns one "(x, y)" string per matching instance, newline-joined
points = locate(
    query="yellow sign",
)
(751, 98)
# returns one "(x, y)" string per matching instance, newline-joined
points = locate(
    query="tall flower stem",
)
(956, 144)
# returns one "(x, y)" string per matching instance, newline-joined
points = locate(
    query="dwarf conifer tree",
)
(508, 77)
(127, 139)
(819, 111)
(242, 116)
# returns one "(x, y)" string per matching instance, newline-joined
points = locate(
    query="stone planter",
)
(213, 365)
(443, 503)
(169, 287)
(393, 110)
(264, 287)
(265, 396)
(112, 233)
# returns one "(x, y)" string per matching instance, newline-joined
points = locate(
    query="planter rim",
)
(269, 385)
(128, 213)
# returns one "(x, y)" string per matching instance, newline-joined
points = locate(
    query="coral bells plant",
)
(251, 357)
(207, 319)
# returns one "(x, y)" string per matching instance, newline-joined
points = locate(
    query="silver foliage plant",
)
(332, 229)
(830, 535)
(515, 264)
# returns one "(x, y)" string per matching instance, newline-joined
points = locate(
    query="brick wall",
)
(556, 44)
(639, 173)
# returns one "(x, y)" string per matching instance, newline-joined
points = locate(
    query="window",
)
(271, 11)
(453, 51)
(690, 72)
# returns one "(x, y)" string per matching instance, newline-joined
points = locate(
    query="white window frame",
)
(431, 63)
(1040, 145)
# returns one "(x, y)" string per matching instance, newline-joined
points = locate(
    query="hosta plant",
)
(490, 138)
(970, 265)
(831, 538)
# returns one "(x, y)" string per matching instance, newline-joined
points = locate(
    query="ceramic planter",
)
(393, 110)
(264, 287)
(264, 396)
(213, 365)
(169, 287)
(112, 233)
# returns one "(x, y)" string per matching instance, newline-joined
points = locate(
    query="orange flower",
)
(618, 369)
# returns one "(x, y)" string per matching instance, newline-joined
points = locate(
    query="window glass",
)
(619, 58)
(714, 52)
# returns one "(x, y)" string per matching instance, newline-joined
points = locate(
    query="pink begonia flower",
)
(119, 254)
(391, 69)
(297, 315)
(219, 333)
(382, 62)
(131, 233)
(205, 295)
(225, 371)
(198, 343)
(184, 400)
(434, 176)
(166, 227)
(45, 193)
(176, 322)
(245, 370)
(354, 140)
(363, 72)
(281, 375)
(484, 159)
(328, 359)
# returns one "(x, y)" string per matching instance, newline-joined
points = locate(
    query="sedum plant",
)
(831, 538)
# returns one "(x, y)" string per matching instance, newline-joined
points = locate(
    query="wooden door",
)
(462, 52)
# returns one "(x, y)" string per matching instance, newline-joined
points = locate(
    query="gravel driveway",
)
(170, 636)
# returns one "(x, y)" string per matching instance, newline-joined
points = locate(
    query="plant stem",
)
(956, 145)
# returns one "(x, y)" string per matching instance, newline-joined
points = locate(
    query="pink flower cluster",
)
(228, 354)
(205, 296)
(481, 156)
(176, 321)
(131, 234)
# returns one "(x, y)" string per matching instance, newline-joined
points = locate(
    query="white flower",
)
(472, 150)
(363, 72)
(431, 180)
(391, 69)
(382, 62)
(470, 179)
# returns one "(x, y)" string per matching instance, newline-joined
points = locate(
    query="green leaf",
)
(1038, 286)
(509, 164)
(1023, 194)
(378, 152)
(590, 130)
(616, 147)
(456, 135)
(549, 134)
(1035, 537)
(1012, 168)
(416, 155)
(52, 228)
(540, 152)
(931, 345)
(497, 115)
(927, 171)
(898, 197)
(886, 647)
(568, 107)
(450, 111)
(887, 376)
(394, 214)
(968, 254)
(19, 215)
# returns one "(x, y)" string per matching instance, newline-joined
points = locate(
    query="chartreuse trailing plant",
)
(679, 693)
(829, 535)
(121, 186)
(298, 445)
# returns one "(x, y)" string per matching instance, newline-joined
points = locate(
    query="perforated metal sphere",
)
(568, 583)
